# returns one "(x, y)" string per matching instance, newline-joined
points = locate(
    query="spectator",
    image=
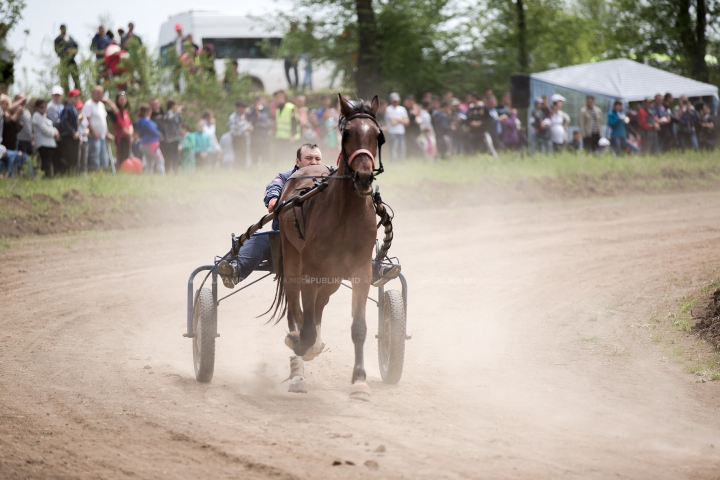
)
(427, 143)
(290, 49)
(55, 107)
(111, 40)
(707, 134)
(187, 154)
(576, 144)
(458, 119)
(201, 143)
(397, 119)
(25, 136)
(232, 75)
(84, 134)
(510, 133)
(228, 154)
(44, 136)
(240, 128)
(130, 35)
(589, 120)
(412, 130)
(172, 135)
(99, 43)
(328, 132)
(424, 119)
(667, 122)
(495, 128)
(286, 126)
(478, 121)
(379, 116)
(11, 128)
(444, 129)
(210, 129)
(66, 157)
(157, 115)
(648, 132)
(96, 114)
(540, 113)
(559, 122)
(7, 60)
(617, 121)
(259, 118)
(66, 48)
(325, 103)
(178, 42)
(122, 126)
(149, 134)
(689, 118)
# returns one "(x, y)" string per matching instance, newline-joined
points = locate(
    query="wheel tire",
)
(391, 337)
(205, 330)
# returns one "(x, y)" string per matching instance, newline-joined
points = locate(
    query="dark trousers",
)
(123, 149)
(290, 65)
(46, 160)
(252, 253)
(590, 144)
(66, 155)
(25, 146)
(172, 155)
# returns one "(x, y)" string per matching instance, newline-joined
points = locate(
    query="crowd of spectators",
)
(655, 125)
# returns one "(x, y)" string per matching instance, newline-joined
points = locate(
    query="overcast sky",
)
(44, 17)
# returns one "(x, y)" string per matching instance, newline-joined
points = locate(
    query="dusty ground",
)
(519, 366)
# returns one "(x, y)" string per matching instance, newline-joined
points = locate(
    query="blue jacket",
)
(148, 130)
(617, 125)
(274, 189)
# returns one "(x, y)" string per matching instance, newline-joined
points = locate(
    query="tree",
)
(11, 12)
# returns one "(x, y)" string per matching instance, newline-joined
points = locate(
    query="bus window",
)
(239, 47)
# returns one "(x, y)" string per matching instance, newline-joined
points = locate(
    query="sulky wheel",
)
(391, 337)
(205, 330)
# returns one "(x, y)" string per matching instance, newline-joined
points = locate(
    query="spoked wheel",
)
(391, 337)
(205, 330)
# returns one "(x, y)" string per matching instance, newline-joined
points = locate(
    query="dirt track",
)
(520, 364)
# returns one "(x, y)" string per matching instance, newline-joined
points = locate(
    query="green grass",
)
(609, 171)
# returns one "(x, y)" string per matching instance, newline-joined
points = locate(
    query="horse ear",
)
(374, 104)
(345, 107)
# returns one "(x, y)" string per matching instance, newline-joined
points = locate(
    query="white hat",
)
(557, 98)
(56, 90)
(394, 97)
(604, 142)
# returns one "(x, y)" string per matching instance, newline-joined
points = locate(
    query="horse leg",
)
(360, 390)
(308, 333)
(322, 299)
(292, 269)
(291, 276)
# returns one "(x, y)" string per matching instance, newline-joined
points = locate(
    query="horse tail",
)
(280, 300)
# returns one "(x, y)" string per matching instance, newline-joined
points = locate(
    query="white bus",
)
(239, 37)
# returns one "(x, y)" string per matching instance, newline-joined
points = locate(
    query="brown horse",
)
(330, 238)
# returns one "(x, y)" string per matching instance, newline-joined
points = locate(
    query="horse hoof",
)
(360, 391)
(297, 385)
(313, 352)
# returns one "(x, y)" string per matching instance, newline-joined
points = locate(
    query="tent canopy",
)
(625, 79)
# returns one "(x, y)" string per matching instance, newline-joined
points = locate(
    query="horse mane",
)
(361, 107)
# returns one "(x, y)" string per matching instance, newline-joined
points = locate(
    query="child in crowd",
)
(149, 141)
(228, 154)
(202, 144)
(209, 128)
(576, 144)
(426, 141)
(329, 130)
(187, 150)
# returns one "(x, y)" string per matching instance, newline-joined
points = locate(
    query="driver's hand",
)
(271, 205)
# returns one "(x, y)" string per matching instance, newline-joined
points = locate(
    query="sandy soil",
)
(520, 365)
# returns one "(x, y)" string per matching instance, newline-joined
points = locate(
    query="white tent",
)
(625, 79)
(609, 80)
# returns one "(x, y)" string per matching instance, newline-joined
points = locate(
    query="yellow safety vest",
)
(283, 122)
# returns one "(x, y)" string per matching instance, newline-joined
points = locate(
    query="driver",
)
(257, 248)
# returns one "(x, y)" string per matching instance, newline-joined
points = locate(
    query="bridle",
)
(349, 159)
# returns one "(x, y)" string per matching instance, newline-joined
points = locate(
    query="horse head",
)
(361, 141)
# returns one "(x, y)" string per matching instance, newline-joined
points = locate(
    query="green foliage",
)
(11, 12)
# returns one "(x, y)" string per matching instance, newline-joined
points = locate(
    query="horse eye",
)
(346, 134)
